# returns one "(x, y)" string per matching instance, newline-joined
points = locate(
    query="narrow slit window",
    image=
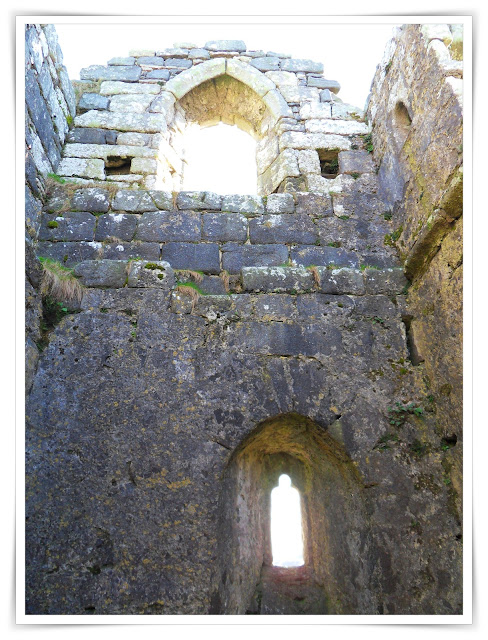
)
(329, 162)
(286, 525)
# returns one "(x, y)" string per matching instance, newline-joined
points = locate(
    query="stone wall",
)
(133, 114)
(49, 107)
(220, 341)
(420, 158)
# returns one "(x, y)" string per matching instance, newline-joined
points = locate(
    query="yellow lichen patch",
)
(179, 484)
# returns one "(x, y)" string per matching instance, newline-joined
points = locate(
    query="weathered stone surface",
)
(134, 201)
(162, 199)
(266, 64)
(92, 168)
(102, 273)
(199, 200)
(110, 88)
(151, 61)
(197, 257)
(243, 204)
(201, 54)
(154, 275)
(122, 62)
(282, 229)
(224, 227)
(190, 78)
(121, 250)
(323, 256)
(254, 79)
(177, 63)
(122, 121)
(71, 226)
(387, 281)
(316, 206)
(235, 257)
(276, 279)
(158, 74)
(323, 83)
(169, 226)
(129, 73)
(225, 45)
(295, 65)
(133, 139)
(355, 162)
(340, 127)
(116, 225)
(106, 151)
(69, 253)
(92, 136)
(130, 103)
(292, 139)
(95, 200)
(280, 203)
(341, 281)
(143, 165)
(92, 101)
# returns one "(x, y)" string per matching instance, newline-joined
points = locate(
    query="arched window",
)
(286, 525)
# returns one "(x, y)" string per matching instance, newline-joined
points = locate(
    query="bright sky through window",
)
(221, 159)
(286, 525)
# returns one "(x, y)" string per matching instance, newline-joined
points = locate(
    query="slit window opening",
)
(286, 525)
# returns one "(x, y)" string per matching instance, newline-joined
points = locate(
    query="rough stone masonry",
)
(313, 330)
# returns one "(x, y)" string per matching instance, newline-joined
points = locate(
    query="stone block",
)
(296, 140)
(130, 103)
(176, 52)
(151, 61)
(129, 73)
(69, 253)
(197, 257)
(169, 226)
(106, 151)
(306, 66)
(82, 168)
(110, 88)
(122, 121)
(158, 74)
(122, 62)
(72, 226)
(277, 105)
(164, 103)
(345, 111)
(190, 78)
(224, 227)
(116, 225)
(283, 229)
(201, 54)
(323, 83)
(285, 166)
(133, 201)
(143, 165)
(242, 204)
(299, 94)
(91, 136)
(250, 76)
(341, 281)
(225, 45)
(339, 127)
(178, 63)
(386, 281)
(163, 200)
(315, 111)
(323, 256)
(92, 101)
(127, 250)
(133, 139)
(280, 203)
(308, 161)
(266, 63)
(102, 273)
(143, 275)
(283, 78)
(326, 96)
(355, 162)
(91, 199)
(277, 279)
(199, 200)
(314, 205)
(235, 257)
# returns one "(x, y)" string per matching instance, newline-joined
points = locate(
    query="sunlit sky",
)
(222, 159)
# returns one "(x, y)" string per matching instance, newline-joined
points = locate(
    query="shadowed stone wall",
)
(219, 341)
